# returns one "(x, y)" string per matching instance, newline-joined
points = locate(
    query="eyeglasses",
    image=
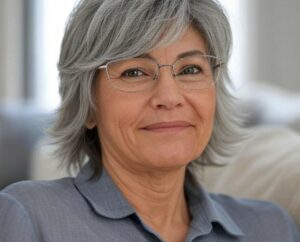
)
(140, 74)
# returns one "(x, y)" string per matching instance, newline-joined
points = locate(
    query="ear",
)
(90, 123)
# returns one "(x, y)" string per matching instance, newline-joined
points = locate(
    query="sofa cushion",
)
(20, 128)
(268, 168)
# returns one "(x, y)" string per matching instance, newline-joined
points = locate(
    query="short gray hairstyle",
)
(102, 30)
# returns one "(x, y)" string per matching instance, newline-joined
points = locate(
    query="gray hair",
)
(102, 30)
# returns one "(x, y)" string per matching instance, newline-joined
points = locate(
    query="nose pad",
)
(159, 75)
(171, 69)
(166, 94)
(165, 75)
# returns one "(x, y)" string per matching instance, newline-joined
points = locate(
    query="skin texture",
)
(148, 165)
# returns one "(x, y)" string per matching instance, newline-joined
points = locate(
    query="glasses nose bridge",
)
(166, 65)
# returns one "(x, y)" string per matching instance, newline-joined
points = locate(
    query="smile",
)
(168, 126)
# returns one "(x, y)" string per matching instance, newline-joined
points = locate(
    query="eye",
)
(132, 73)
(190, 70)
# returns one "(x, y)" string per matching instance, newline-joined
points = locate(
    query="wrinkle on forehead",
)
(190, 40)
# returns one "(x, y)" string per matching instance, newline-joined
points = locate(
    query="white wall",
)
(11, 54)
(274, 43)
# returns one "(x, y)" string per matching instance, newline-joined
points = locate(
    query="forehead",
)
(190, 40)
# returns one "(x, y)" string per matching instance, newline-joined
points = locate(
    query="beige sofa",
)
(267, 167)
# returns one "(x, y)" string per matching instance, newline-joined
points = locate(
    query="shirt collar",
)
(206, 211)
(107, 200)
(102, 194)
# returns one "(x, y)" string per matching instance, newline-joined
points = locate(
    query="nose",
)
(166, 94)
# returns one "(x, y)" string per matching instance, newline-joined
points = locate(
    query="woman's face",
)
(161, 128)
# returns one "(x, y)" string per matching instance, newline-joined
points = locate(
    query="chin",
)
(169, 155)
(170, 161)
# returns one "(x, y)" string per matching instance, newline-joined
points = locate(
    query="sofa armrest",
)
(267, 168)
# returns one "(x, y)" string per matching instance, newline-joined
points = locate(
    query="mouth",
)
(168, 126)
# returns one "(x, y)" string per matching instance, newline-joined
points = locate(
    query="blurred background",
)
(265, 68)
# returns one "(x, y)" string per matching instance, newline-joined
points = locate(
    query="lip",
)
(171, 126)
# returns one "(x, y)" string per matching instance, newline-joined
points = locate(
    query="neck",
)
(157, 196)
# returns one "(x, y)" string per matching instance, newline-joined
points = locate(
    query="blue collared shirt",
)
(81, 210)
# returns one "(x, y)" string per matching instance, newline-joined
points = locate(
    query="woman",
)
(145, 99)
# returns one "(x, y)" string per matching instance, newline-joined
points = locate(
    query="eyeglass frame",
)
(105, 66)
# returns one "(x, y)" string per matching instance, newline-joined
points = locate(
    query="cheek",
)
(210, 110)
(205, 107)
(117, 115)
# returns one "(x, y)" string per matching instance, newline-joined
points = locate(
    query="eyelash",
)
(191, 66)
(137, 72)
(125, 73)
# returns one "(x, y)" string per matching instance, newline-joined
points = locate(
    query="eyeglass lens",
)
(139, 74)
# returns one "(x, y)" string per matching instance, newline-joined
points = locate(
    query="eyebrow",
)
(181, 55)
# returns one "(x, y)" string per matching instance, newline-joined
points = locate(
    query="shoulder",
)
(256, 216)
(39, 196)
(24, 206)
(31, 190)
(236, 205)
